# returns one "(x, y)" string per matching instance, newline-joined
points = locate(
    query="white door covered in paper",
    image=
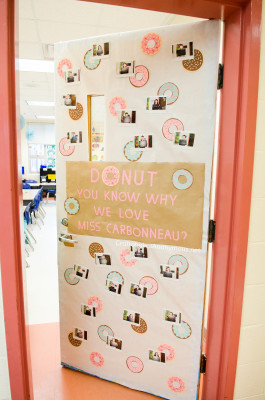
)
(132, 229)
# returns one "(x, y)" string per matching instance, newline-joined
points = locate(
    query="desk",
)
(48, 185)
(34, 185)
(28, 195)
(43, 184)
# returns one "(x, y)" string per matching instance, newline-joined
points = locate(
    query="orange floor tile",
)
(51, 381)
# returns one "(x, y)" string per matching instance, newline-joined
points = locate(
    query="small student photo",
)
(157, 356)
(156, 103)
(138, 290)
(79, 334)
(74, 137)
(125, 68)
(131, 316)
(127, 117)
(81, 272)
(88, 310)
(139, 252)
(143, 142)
(67, 240)
(72, 76)
(65, 236)
(169, 271)
(100, 50)
(114, 343)
(69, 101)
(102, 259)
(113, 287)
(172, 316)
(184, 138)
(183, 51)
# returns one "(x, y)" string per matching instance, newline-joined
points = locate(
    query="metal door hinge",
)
(211, 231)
(203, 364)
(220, 76)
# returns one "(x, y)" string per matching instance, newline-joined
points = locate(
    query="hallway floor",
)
(53, 382)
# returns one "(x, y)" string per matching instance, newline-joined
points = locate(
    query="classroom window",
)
(40, 154)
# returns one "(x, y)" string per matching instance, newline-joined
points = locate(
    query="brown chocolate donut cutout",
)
(95, 248)
(196, 63)
(73, 341)
(77, 112)
(142, 328)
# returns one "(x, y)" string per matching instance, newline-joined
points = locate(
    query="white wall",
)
(43, 133)
(250, 378)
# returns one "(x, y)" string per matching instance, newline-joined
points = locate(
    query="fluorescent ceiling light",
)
(41, 103)
(45, 116)
(35, 65)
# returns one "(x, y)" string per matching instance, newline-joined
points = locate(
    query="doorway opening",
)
(47, 247)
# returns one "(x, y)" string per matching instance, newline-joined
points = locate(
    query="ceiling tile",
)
(27, 31)
(32, 77)
(63, 11)
(183, 19)
(52, 32)
(50, 79)
(25, 9)
(50, 21)
(26, 112)
(40, 92)
(34, 96)
(42, 110)
(131, 18)
(30, 50)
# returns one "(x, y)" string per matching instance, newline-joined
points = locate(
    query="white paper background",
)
(195, 107)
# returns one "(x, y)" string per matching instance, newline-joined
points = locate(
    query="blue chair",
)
(27, 214)
(48, 192)
(26, 186)
(34, 209)
(27, 222)
(40, 198)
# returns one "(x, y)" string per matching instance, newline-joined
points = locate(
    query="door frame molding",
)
(233, 190)
(233, 198)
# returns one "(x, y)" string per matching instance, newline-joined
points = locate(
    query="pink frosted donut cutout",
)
(62, 63)
(123, 255)
(181, 384)
(152, 281)
(63, 150)
(150, 51)
(140, 69)
(113, 102)
(171, 122)
(93, 357)
(170, 350)
(132, 359)
(95, 299)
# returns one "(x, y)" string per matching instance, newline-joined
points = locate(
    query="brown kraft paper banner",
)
(138, 203)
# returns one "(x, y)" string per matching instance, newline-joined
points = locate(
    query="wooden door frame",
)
(233, 190)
